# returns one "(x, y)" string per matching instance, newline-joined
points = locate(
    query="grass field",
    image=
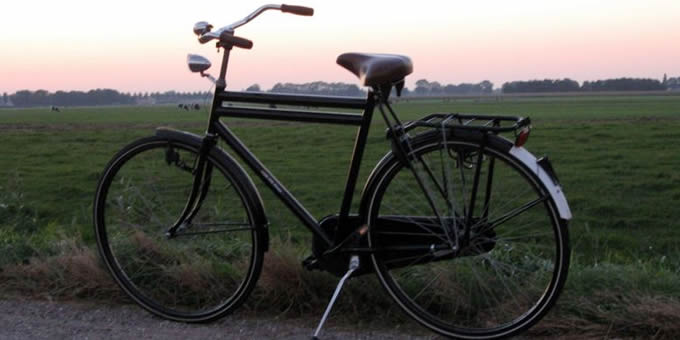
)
(617, 158)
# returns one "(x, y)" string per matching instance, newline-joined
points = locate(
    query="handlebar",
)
(298, 10)
(227, 37)
(229, 29)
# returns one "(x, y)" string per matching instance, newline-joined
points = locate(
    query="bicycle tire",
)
(509, 276)
(207, 269)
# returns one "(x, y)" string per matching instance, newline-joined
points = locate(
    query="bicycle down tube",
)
(363, 121)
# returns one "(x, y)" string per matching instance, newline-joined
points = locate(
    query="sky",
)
(139, 46)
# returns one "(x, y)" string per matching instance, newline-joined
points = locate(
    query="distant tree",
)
(404, 92)
(673, 83)
(21, 98)
(450, 89)
(486, 86)
(5, 98)
(26, 98)
(423, 83)
(624, 84)
(319, 88)
(254, 88)
(41, 97)
(545, 85)
(426, 88)
(436, 89)
(665, 79)
(422, 87)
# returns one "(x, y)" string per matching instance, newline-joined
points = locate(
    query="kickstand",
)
(353, 265)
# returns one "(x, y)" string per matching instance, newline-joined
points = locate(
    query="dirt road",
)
(27, 319)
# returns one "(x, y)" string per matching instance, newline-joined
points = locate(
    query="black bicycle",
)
(465, 229)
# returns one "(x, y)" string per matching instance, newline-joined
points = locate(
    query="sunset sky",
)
(142, 45)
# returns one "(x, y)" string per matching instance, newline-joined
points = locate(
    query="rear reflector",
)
(522, 136)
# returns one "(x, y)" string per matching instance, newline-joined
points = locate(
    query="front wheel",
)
(198, 272)
(470, 261)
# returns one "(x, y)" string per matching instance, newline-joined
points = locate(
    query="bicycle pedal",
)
(311, 263)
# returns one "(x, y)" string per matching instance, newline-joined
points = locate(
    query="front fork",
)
(202, 172)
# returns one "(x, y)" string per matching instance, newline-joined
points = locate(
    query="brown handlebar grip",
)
(299, 10)
(228, 38)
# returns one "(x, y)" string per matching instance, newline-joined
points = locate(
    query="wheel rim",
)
(205, 268)
(506, 278)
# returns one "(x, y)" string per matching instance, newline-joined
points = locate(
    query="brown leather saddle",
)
(377, 69)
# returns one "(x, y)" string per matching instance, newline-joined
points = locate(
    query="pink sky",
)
(142, 45)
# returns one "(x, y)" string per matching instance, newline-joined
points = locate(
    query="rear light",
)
(522, 136)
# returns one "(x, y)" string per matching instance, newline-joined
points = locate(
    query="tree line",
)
(423, 87)
(317, 88)
(426, 88)
(568, 85)
(26, 98)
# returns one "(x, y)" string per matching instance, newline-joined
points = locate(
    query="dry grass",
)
(610, 316)
(658, 313)
(75, 272)
(285, 289)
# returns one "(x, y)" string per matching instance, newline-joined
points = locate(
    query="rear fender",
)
(543, 169)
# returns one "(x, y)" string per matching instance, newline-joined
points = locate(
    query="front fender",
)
(251, 195)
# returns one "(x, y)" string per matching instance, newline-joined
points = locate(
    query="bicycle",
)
(465, 229)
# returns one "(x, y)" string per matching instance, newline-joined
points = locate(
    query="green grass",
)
(617, 159)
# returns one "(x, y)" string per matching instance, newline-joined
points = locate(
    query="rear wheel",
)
(510, 270)
(210, 265)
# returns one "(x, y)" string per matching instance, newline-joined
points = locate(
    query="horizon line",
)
(494, 85)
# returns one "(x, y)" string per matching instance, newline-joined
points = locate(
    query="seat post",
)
(355, 164)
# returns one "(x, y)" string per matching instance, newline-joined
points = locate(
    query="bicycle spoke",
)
(429, 230)
(417, 258)
(427, 286)
(239, 224)
(192, 233)
(408, 234)
(500, 220)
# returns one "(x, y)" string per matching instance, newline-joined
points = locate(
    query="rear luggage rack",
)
(495, 124)
(519, 126)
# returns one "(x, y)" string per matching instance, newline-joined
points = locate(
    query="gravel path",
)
(27, 319)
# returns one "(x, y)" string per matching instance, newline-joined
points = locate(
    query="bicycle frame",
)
(376, 97)
(218, 129)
